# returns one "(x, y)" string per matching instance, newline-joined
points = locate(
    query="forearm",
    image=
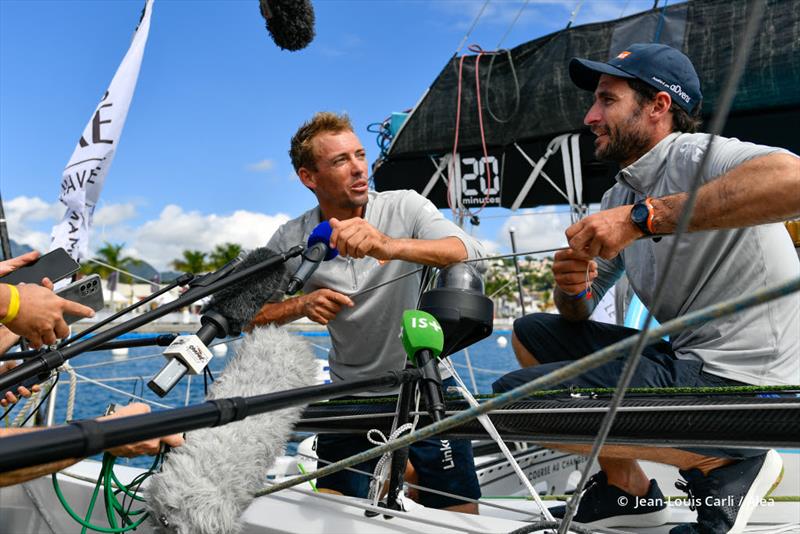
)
(433, 252)
(7, 339)
(18, 476)
(571, 308)
(760, 191)
(279, 313)
(25, 474)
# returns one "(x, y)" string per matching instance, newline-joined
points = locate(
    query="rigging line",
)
(557, 376)
(123, 271)
(474, 23)
(430, 490)
(337, 499)
(481, 370)
(717, 123)
(473, 260)
(624, 9)
(495, 435)
(122, 392)
(513, 22)
(574, 13)
(529, 213)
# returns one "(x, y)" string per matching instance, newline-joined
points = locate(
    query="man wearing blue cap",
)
(645, 115)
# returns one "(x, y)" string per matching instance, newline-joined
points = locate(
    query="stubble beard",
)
(626, 142)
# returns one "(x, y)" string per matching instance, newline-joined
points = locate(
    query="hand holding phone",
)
(54, 265)
(41, 314)
(87, 291)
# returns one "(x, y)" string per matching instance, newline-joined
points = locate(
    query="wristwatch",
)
(642, 216)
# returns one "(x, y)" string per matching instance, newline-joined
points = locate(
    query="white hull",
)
(32, 508)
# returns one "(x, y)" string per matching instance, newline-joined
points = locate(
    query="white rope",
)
(23, 412)
(471, 373)
(379, 477)
(73, 388)
(123, 271)
(492, 431)
(121, 392)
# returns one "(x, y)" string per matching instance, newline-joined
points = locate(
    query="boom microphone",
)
(290, 23)
(318, 250)
(230, 310)
(205, 485)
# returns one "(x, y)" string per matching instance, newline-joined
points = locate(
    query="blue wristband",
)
(581, 294)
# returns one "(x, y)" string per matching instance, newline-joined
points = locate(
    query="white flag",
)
(86, 171)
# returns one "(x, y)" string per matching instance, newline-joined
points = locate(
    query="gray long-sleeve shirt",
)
(365, 338)
(757, 346)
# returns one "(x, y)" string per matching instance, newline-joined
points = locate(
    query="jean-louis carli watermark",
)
(694, 502)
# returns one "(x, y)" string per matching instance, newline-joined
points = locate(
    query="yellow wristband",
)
(13, 305)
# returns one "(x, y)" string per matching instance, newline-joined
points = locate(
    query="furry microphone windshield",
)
(290, 23)
(240, 302)
(205, 485)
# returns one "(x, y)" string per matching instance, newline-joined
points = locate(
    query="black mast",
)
(4, 243)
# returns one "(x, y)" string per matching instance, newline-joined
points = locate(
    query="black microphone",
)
(290, 23)
(229, 311)
(317, 251)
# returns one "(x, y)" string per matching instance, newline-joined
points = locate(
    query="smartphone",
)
(55, 265)
(87, 291)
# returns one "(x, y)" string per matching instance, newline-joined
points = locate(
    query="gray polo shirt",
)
(365, 338)
(757, 346)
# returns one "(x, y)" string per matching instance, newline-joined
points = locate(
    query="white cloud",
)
(265, 165)
(536, 229)
(160, 241)
(113, 214)
(25, 213)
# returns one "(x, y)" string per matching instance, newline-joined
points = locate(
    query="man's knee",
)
(524, 357)
(527, 328)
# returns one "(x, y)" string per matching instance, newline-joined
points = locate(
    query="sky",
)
(203, 155)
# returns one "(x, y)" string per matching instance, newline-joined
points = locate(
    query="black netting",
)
(765, 109)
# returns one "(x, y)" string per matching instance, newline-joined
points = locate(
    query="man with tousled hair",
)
(645, 112)
(379, 236)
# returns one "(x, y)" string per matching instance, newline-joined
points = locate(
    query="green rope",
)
(108, 481)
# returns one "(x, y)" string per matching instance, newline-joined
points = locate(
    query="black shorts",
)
(555, 342)
(443, 465)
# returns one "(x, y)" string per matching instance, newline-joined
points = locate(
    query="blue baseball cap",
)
(661, 66)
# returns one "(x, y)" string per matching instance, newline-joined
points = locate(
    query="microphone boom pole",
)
(53, 359)
(88, 437)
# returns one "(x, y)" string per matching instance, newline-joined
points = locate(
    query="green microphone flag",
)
(421, 331)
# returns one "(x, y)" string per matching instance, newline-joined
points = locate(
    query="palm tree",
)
(111, 255)
(222, 254)
(193, 261)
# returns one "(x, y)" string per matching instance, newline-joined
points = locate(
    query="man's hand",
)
(322, 305)
(41, 314)
(603, 234)
(150, 446)
(569, 271)
(9, 397)
(357, 238)
(15, 263)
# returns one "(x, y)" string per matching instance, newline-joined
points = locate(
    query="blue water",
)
(488, 359)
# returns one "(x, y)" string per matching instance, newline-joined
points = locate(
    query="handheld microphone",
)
(290, 23)
(230, 310)
(317, 251)
(205, 485)
(423, 340)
